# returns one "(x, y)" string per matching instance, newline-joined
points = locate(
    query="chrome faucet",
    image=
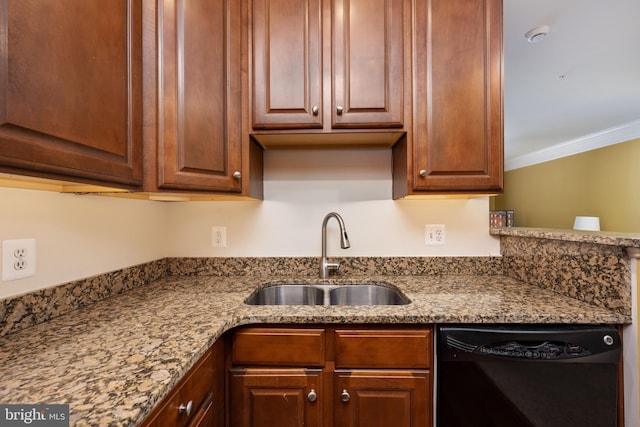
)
(344, 244)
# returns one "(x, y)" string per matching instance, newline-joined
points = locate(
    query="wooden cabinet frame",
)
(269, 364)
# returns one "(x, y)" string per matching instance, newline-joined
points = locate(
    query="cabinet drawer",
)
(195, 387)
(279, 346)
(370, 348)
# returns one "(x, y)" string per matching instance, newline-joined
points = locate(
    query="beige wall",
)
(79, 236)
(603, 182)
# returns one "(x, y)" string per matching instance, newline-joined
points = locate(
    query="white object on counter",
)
(589, 223)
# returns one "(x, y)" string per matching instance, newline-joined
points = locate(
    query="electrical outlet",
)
(434, 234)
(18, 259)
(219, 237)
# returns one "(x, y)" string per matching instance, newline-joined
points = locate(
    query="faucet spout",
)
(325, 266)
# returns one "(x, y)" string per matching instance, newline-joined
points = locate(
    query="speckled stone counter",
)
(591, 266)
(112, 346)
(611, 238)
(112, 361)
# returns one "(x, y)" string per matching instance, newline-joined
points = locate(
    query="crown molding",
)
(592, 141)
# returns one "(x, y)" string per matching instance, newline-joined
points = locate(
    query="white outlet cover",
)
(434, 234)
(10, 260)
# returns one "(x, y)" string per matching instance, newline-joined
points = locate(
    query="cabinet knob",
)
(423, 172)
(237, 175)
(345, 396)
(315, 110)
(339, 110)
(182, 408)
(313, 396)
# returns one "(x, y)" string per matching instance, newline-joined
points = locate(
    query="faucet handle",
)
(332, 265)
(326, 267)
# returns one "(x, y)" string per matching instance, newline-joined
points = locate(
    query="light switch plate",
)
(219, 237)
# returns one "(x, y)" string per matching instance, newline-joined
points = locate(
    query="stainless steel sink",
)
(320, 294)
(287, 295)
(366, 295)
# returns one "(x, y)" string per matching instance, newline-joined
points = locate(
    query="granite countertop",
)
(114, 360)
(613, 238)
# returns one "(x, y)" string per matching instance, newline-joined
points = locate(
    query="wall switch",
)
(434, 234)
(18, 259)
(219, 237)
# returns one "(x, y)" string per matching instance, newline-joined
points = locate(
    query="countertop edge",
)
(612, 238)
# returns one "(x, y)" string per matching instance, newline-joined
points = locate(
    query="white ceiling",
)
(580, 80)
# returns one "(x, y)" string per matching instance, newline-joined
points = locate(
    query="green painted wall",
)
(603, 182)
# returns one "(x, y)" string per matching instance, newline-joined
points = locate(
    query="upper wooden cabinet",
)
(286, 64)
(368, 63)
(71, 90)
(329, 64)
(199, 143)
(89, 91)
(457, 140)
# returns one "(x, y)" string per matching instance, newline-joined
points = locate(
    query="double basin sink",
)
(311, 294)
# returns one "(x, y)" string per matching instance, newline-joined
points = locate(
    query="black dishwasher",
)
(525, 375)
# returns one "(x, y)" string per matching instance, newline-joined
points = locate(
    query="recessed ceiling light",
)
(537, 34)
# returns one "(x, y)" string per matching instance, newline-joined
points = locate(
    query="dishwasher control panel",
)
(546, 350)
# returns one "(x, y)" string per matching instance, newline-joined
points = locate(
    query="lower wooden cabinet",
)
(276, 397)
(361, 376)
(372, 398)
(198, 400)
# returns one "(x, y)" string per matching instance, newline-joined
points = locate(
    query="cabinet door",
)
(206, 415)
(382, 399)
(199, 132)
(458, 140)
(287, 64)
(202, 389)
(368, 63)
(276, 397)
(70, 85)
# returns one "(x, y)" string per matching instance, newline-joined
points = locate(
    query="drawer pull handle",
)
(313, 396)
(237, 175)
(423, 172)
(182, 408)
(315, 110)
(345, 396)
(339, 110)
